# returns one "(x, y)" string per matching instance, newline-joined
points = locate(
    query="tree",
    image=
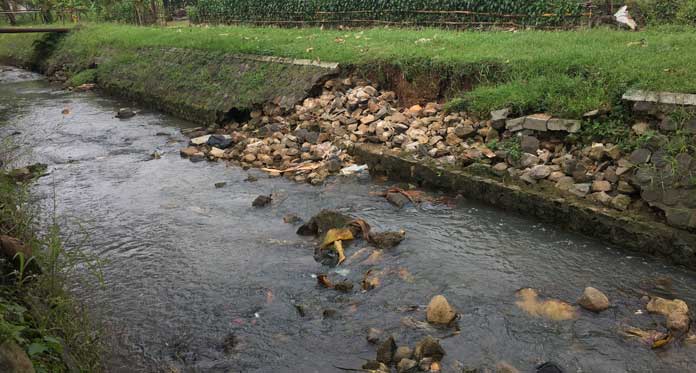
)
(8, 6)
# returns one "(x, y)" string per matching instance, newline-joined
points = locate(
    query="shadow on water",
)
(199, 280)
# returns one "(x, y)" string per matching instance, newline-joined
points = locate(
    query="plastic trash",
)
(353, 169)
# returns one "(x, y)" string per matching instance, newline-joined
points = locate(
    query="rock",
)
(537, 122)
(601, 186)
(581, 189)
(220, 141)
(514, 125)
(374, 335)
(345, 286)
(13, 359)
(262, 201)
(597, 152)
(407, 366)
(10, 246)
(676, 311)
(189, 152)
(593, 300)
(640, 156)
(125, 113)
(376, 366)
(640, 128)
(464, 130)
(387, 240)
(292, 219)
(221, 184)
(548, 367)
(621, 202)
(200, 140)
(499, 117)
(625, 188)
(565, 183)
(540, 172)
(397, 199)
(601, 197)
(425, 364)
(528, 160)
(323, 222)
(567, 125)
(500, 168)
(329, 313)
(386, 350)
(403, 352)
(428, 347)
(503, 367)
(217, 153)
(439, 311)
(529, 144)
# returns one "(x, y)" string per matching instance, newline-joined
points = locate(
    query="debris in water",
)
(251, 179)
(353, 169)
(528, 300)
(323, 222)
(125, 113)
(66, 111)
(653, 338)
(262, 201)
(336, 237)
(221, 184)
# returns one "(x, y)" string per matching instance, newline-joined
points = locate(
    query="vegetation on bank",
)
(565, 73)
(37, 312)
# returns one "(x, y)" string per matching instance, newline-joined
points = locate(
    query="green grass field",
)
(561, 72)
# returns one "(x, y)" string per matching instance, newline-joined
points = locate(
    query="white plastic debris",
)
(353, 169)
(624, 18)
(200, 140)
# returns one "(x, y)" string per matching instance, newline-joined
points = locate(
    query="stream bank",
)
(639, 176)
(196, 279)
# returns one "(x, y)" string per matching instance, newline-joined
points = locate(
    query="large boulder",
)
(439, 311)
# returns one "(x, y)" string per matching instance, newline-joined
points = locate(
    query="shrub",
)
(687, 13)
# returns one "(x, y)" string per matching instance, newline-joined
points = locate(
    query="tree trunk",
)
(7, 7)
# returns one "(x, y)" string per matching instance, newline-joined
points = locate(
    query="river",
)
(198, 280)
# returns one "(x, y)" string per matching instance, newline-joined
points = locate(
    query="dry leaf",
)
(338, 246)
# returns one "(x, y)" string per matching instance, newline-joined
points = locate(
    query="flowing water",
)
(198, 280)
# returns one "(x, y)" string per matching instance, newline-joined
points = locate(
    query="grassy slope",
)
(562, 72)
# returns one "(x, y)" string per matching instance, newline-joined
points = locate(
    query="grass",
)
(565, 73)
(561, 72)
(37, 312)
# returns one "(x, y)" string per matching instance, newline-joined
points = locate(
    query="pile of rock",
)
(425, 357)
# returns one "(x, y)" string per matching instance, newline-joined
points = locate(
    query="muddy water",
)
(199, 280)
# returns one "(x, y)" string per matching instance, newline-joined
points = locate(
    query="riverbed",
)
(198, 280)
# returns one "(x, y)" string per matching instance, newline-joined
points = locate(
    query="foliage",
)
(341, 11)
(687, 13)
(667, 11)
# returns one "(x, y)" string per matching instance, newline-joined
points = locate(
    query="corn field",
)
(454, 13)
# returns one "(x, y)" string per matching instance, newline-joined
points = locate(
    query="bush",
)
(193, 14)
(687, 13)
(337, 11)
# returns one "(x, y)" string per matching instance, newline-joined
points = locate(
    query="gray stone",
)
(428, 347)
(597, 152)
(540, 172)
(621, 202)
(567, 125)
(640, 156)
(373, 335)
(601, 197)
(500, 168)
(536, 122)
(581, 189)
(593, 300)
(499, 117)
(668, 125)
(403, 352)
(386, 350)
(528, 160)
(407, 366)
(125, 113)
(529, 144)
(527, 177)
(601, 186)
(625, 188)
(464, 130)
(640, 128)
(514, 125)
(690, 127)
